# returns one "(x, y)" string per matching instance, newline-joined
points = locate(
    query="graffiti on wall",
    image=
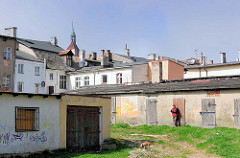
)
(128, 107)
(7, 138)
(48, 125)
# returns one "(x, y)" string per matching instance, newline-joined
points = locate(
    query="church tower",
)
(73, 45)
(73, 35)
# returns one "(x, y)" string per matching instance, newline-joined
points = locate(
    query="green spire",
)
(73, 32)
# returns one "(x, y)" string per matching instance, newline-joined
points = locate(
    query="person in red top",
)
(175, 114)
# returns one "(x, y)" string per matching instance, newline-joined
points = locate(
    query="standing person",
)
(175, 115)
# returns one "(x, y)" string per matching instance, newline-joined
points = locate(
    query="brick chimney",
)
(211, 62)
(109, 55)
(126, 51)
(152, 56)
(94, 56)
(104, 60)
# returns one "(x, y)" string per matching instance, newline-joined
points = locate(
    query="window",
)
(20, 68)
(20, 86)
(36, 87)
(6, 81)
(69, 60)
(63, 81)
(51, 76)
(37, 71)
(7, 53)
(119, 78)
(77, 81)
(27, 119)
(104, 78)
(86, 80)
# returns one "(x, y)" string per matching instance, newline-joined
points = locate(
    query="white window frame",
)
(119, 78)
(86, 81)
(6, 81)
(78, 82)
(7, 53)
(104, 77)
(63, 82)
(20, 68)
(37, 71)
(20, 86)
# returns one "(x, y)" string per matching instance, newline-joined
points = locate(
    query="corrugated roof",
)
(41, 45)
(217, 84)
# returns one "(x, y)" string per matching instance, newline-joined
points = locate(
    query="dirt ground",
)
(166, 147)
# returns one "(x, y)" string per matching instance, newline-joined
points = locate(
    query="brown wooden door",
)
(208, 113)
(82, 128)
(113, 110)
(51, 89)
(236, 113)
(151, 112)
(180, 103)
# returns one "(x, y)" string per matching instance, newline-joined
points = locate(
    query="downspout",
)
(199, 72)
(44, 77)
(206, 72)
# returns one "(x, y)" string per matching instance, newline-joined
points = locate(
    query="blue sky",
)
(174, 28)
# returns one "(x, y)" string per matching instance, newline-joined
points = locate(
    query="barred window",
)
(20, 86)
(86, 80)
(104, 78)
(119, 78)
(27, 119)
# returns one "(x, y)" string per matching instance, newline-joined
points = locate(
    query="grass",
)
(221, 141)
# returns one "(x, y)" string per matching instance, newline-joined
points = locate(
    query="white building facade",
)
(29, 76)
(115, 75)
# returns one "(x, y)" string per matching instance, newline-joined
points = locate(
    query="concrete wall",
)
(131, 108)
(104, 103)
(213, 71)
(154, 71)
(7, 66)
(28, 77)
(48, 136)
(140, 73)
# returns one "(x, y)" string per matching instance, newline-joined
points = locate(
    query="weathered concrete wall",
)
(155, 71)
(140, 73)
(104, 103)
(7, 66)
(48, 136)
(224, 99)
(131, 109)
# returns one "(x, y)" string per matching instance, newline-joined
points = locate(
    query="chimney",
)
(53, 41)
(82, 56)
(11, 31)
(94, 56)
(211, 62)
(223, 57)
(126, 51)
(104, 60)
(109, 55)
(152, 56)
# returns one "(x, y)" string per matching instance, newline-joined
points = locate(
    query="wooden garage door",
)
(208, 113)
(82, 128)
(180, 103)
(236, 113)
(151, 112)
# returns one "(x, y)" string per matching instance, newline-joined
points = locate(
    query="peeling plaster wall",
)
(224, 100)
(48, 136)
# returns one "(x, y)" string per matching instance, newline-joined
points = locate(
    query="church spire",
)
(73, 35)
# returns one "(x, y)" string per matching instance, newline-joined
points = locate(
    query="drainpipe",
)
(206, 72)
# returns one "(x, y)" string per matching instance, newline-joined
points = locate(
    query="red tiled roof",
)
(72, 46)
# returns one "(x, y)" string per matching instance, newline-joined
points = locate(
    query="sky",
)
(179, 29)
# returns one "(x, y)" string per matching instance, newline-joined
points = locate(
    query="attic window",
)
(69, 60)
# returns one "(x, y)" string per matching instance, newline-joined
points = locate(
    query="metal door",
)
(82, 128)
(208, 113)
(180, 103)
(236, 113)
(151, 112)
(113, 110)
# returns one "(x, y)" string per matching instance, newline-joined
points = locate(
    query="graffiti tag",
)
(38, 138)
